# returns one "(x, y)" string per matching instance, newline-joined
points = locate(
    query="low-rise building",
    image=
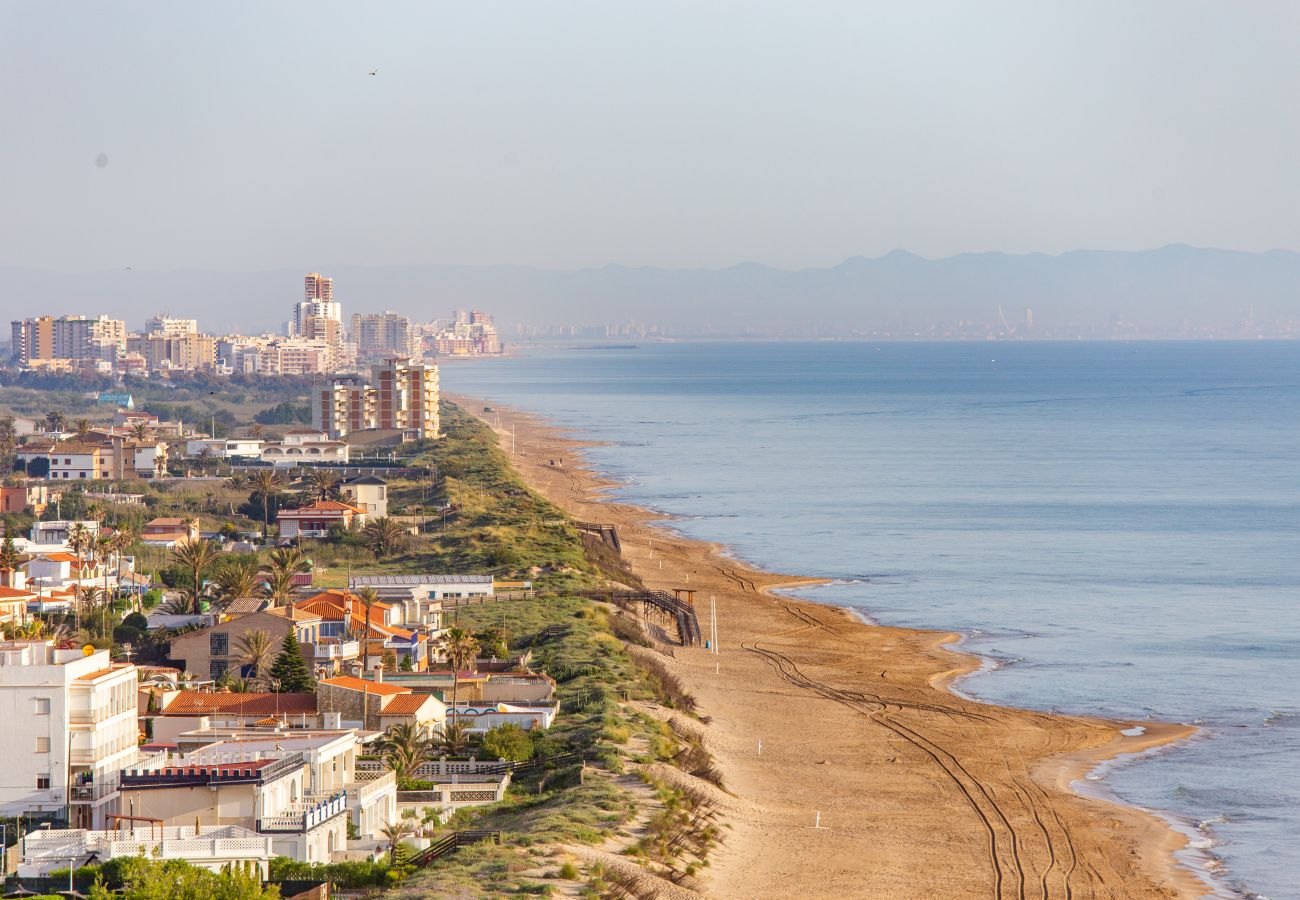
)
(178, 712)
(13, 603)
(78, 460)
(344, 615)
(270, 795)
(480, 717)
(316, 519)
(420, 596)
(377, 705)
(296, 786)
(57, 531)
(218, 649)
(368, 493)
(27, 495)
(168, 532)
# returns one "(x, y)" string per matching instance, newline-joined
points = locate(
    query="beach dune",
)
(851, 769)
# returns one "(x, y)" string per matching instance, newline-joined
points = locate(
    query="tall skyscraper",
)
(318, 317)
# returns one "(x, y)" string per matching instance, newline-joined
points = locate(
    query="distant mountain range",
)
(1172, 289)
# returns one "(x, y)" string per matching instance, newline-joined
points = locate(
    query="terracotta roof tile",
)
(405, 704)
(353, 683)
(201, 703)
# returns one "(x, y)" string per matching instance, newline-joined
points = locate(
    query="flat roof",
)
(414, 580)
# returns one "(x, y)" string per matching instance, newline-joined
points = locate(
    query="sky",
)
(240, 136)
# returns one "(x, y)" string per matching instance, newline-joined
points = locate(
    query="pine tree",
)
(390, 660)
(289, 671)
(9, 560)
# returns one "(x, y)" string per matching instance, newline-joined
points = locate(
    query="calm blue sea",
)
(1113, 525)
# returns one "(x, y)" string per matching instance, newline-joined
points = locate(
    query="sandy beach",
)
(919, 792)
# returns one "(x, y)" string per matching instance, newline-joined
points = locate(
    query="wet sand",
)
(921, 793)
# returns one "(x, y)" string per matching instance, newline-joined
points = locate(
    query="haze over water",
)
(1114, 525)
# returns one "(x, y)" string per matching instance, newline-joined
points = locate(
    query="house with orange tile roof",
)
(182, 711)
(59, 569)
(374, 705)
(169, 532)
(343, 614)
(316, 519)
(13, 604)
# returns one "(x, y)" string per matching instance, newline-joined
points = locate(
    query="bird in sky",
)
(374, 71)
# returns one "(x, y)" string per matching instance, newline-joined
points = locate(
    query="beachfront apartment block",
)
(70, 728)
(400, 394)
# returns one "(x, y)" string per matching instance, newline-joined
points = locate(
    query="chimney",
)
(379, 674)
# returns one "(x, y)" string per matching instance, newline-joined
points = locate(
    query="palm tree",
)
(368, 597)
(404, 747)
(461, 649)
(121, 538)
(238, 576)
(103, 551)
(205, 457)
(393, 832)
(236, 482)
(384, 537)
(87, 597)
(280, 587)
(55, 420)
(257, 651)
(141, 431)
(80, 540)
(196, 556)
(454, 738)
(82, 429)
(321, 484)
(265, 483)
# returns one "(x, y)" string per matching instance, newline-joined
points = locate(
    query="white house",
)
(70, 728)
(419, 598)
(304, 453)
(226, 448)
(298, 789)
(478, 718)
(368, 493)
(57, 532)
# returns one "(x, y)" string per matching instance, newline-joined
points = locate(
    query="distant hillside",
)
(1160, 290)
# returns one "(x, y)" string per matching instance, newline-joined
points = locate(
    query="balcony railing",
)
(91, 791)
(336, 649)
(305, 817)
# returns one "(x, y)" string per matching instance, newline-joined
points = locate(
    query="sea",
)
(1114, 527)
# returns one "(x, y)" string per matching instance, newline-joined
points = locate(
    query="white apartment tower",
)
(70, 728)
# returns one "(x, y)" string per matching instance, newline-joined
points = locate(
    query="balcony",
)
(335, 649)
(91, 792)
(303, 817)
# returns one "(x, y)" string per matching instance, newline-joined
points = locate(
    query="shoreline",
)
(956, 819)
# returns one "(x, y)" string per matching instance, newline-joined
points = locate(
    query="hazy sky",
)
(563, 134)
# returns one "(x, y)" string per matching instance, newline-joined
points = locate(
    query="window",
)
(217, 668)
(42, 745)
(42, 706)
(42, 782)
(219, 643)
